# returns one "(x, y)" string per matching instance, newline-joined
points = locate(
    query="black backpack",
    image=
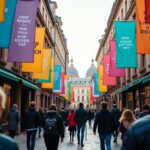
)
(51, 126)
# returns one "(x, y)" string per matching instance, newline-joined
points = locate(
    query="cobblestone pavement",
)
(91, 143)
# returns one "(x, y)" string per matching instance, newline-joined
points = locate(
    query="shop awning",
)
(30, 84)
(9, 75)
(134, 83)
(146, 79)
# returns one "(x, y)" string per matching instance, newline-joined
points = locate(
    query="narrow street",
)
(92, 143)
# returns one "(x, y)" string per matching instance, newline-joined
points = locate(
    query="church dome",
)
(72, 71)
(91, 71)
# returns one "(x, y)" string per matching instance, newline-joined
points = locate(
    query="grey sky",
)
(84, 22)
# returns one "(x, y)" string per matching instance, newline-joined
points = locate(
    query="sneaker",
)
(82, 145)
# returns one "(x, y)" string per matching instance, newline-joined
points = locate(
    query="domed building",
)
(91, 71)
(72, 71)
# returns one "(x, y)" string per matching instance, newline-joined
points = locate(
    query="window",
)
(134, 16)
(43, 11)
(82, 91)
(135, 70)
(122, 14)
(78, 98)
(1, 54)
(82, 98)
(126, 7)
(129, 73)
(143, 61)
(15, 64)
(46, 19)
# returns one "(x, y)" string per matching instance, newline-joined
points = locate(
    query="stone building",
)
(133, 90)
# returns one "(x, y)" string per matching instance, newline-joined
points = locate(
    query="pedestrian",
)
(116, 116)
(146, 111)
(126, 120)
(41, 117)
(31, 123)
(137, 113)
(104, 121)
(63, 114)
(89, 117)
(53, 128)
(138, 135)
(81, 119)
(72, 125)
(13, 118)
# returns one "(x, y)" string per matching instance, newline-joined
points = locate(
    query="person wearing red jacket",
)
(72, 125)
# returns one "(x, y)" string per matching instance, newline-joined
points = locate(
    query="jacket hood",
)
(115, 110)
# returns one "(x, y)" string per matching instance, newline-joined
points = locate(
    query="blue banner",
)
(57, 78)
(6, 26)
(95, 88)
(125, 33)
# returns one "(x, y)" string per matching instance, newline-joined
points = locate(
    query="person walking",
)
(13, 119)
(41, 117)
(63, 114)
(137, 113)
(53, 128)
(104, 121)
(146, 111)
(72, 125)
(116, 116)
(81, 119)
(126, 120)
(138, 135)
(89, 117)
(31, 123)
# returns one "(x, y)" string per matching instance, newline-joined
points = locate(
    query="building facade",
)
(133, 90)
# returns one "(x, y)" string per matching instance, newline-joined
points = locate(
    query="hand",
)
(94, 133)
(62, 140)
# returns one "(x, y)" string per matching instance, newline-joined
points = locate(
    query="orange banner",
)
(101, 87)
(44, 75)
(36, 66)
(2, 10)
(50, 85)
(143, 29)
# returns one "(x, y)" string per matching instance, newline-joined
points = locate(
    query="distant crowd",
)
(133, 126)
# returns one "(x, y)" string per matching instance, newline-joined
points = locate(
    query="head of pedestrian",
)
(104, 105)
(15, 106)
(146, 108)
(40, 109)
(72, 111)
(52, 107)
(127, 118)
(32, 104)
(114, 105)
(81, 105)
(137, 111)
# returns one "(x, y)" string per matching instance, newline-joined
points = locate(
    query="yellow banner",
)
(143, 29)
(36, 66)
(45, 66)
(2, 10)
(50, 85)
(101, 87)
(66, 86)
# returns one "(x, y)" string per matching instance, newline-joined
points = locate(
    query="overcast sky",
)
(84, 22)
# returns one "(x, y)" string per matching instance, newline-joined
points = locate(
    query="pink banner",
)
(107, 80)
(113, 70)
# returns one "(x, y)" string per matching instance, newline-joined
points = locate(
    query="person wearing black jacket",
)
(31, 123)
(104, 121)
(53, 128)
(138, 135)
(146, 111)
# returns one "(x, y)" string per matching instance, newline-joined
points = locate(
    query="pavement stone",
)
(91, 143)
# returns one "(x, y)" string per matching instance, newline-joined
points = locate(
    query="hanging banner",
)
(23, 33)
(57, 78)
(44, 75)
(2, 10)
(125, 44)
(113, 70)
(69, 90)
(36, 66)
(101, 86)
(107, 80)
(147, 11)
(6, 26)
(142, 28)
(95, 86)
(66, 86)
(49, 84)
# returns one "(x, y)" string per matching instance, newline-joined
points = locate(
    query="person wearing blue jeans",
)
(105, 122)
(31, 136)
(81, 130)
(105, 138)
(81, 119)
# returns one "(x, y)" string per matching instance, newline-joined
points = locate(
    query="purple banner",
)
(23, 34)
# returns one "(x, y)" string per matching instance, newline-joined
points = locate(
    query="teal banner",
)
(57, 78)
(6, 26)
(125, 44)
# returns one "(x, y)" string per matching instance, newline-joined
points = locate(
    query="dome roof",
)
(91, 71)
(72, 71)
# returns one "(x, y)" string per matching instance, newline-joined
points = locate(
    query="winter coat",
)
(142, 114)
(54, 114)
(81, 117)
(13, 119)
(32, 119)
(123, 130)
(71, 120)
(104, 121)
(116, 116)
(138, 135)
(63, 114)
(7, 143)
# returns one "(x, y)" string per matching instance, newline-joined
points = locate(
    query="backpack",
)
(51, 127)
